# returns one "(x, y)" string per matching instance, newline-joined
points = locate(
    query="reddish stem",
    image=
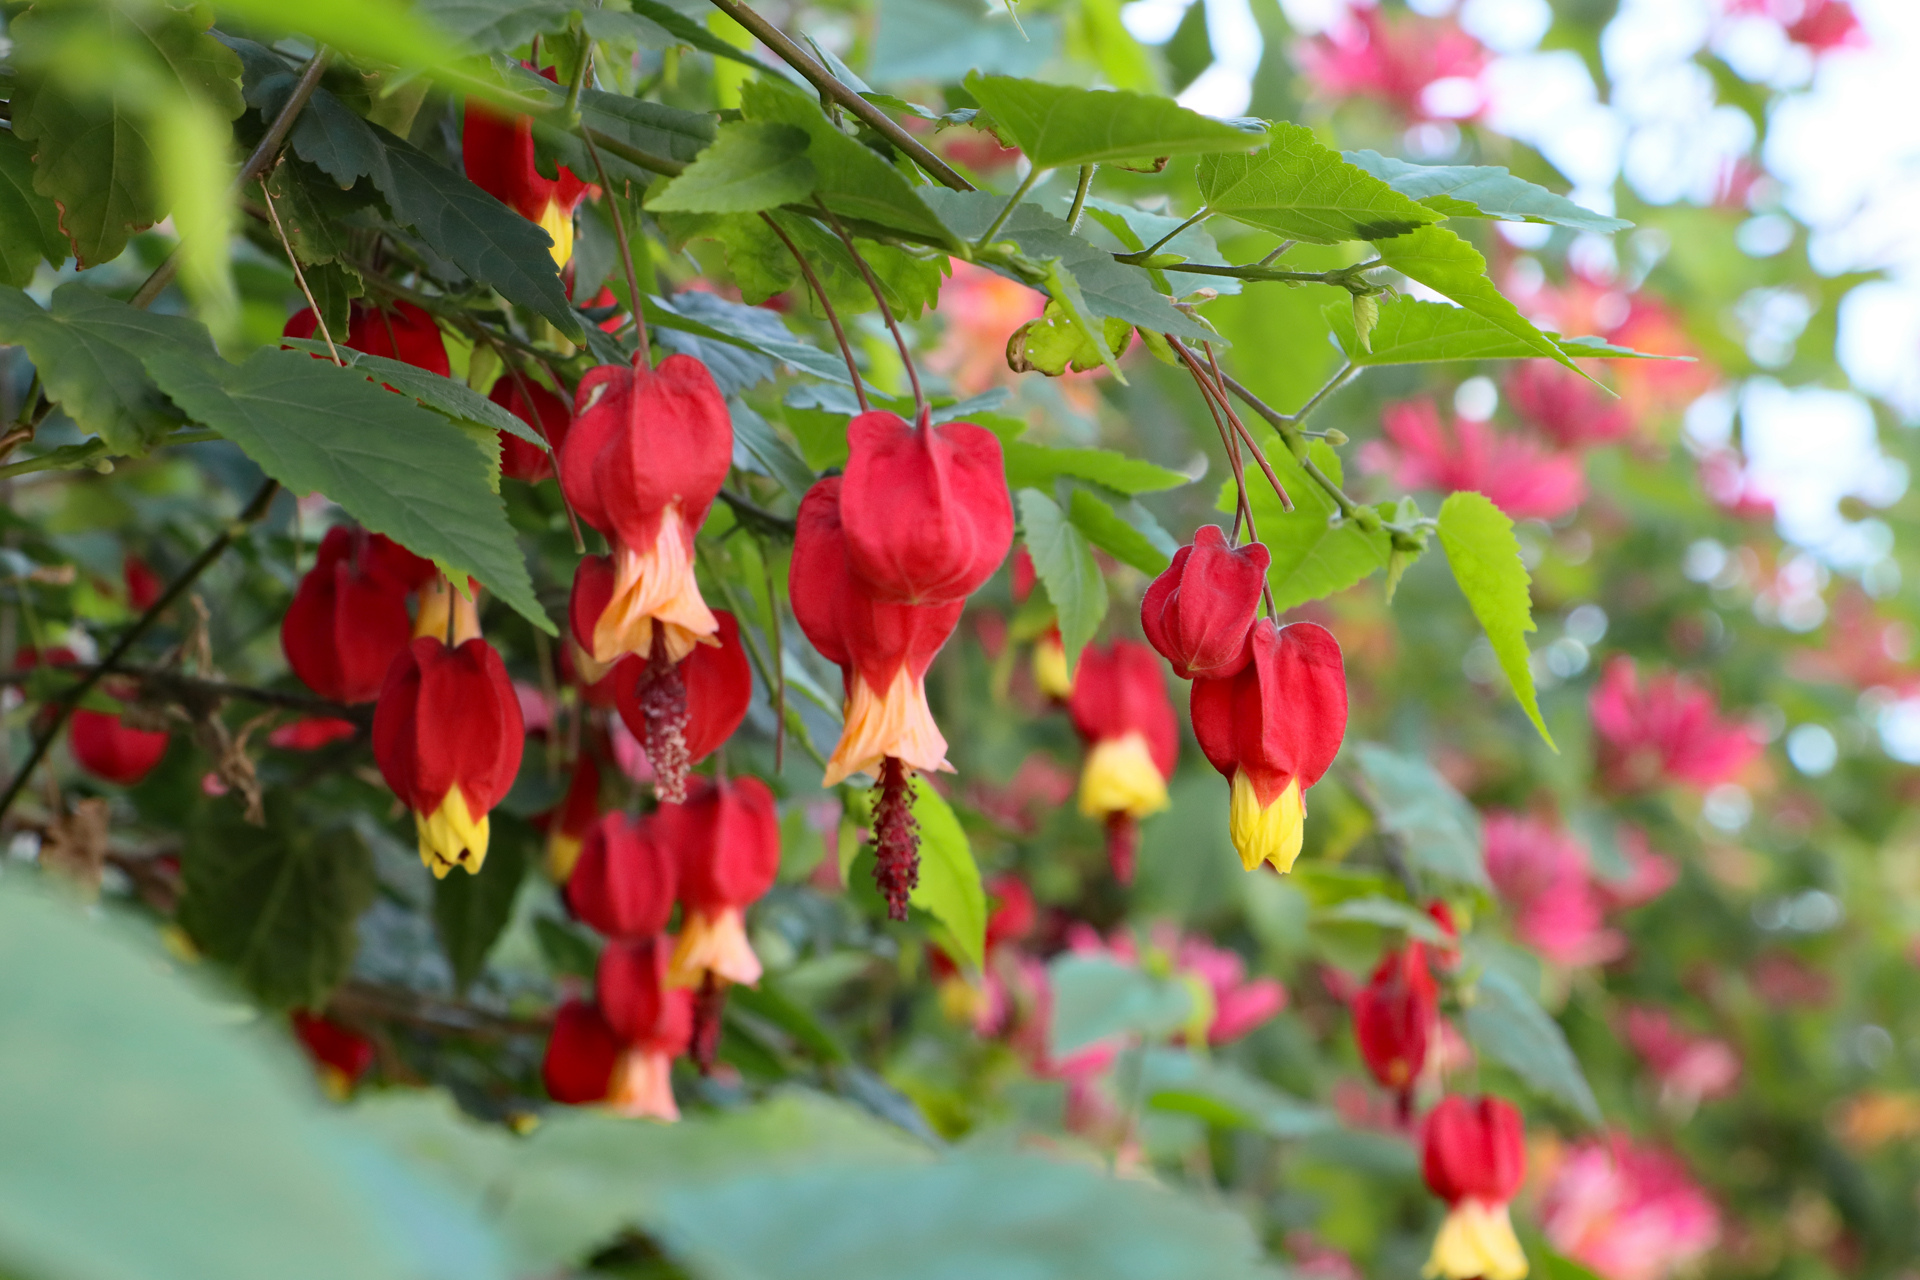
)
(1123, 844)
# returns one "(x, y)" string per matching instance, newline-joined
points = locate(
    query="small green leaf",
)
(1507, 1024)
(1303, 190)
(1070, 307)
(1449, 265)
(1485, 557)
(470, 911)
(1106, 530)
(1481, 191)
(1036, 466)
(1058, 124)
(1436, 826)
(1366, 314)
(1052, 344)
(949, 887)
(1098, 997)
(750, 166)
(1315, 552)
(1409, 331)
(1064, 563)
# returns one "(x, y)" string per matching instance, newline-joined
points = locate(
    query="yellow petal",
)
(715, 944)
(450, 837)
(1267, 833)
(897, 723)
(1050, 666)
(558, 223)
(1476, 1240)
(1121, 777)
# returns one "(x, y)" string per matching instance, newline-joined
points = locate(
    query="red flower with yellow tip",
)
(497, 151)
(447, 735)
(652, 1021)
(1199, 612)
(348, 618)
(1272, 731)
(726, 838)
(1394, 1017)
(1121, 710)
(1474, 1155)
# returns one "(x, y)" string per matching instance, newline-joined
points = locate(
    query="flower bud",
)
(116, 752)
(624, 882)
(1199, 613)
(447, 735)
(1394, 1017)
(348, 620)
(726, 838)
(1474, 1156)
(581, 1053)
(539, 408)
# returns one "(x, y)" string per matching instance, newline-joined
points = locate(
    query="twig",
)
(255, 166)
(886, 312)
(64, 709)
(363, 1002)
(833, 318)
(1273, 257)
(192, 690)
(1080, 198)
(1343, 277)
(1157, 245)
(1240, 428)
(827, 83)
(1006, 210)
(626, 255)
(300, 277)
(1243, 509)
(780, 667)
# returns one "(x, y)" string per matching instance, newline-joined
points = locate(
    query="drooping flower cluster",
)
(348, 619)
(884, 558)
(1269, 703)
(1473, 1155)
(1121, 711)
(497, 151)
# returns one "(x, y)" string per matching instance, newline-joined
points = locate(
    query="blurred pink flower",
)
(1626, 1212)
(1541, 871)
(1863, 648)
(536, 710)
(1690, 1068)
(1518, 476)
(1820, 25)
(1239, 1005)
(1728, 484)
(1395, 62)
(981, 310)
(1649, 875)
(1564, 407)
(1667, 730)
(1781, 978)
(1314, 1260)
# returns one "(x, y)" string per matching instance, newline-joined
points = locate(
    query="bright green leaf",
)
(1056, 124)
(1485, 557)
(1036, 466)
(1315, 553)
(750, 166)
(1300, 189)
(1449, 265)
(1409, 331)
(1070, 306)
(1064, 563)
(1481, 191)
(949, 887)
(1106, 530)
(1506, 1024)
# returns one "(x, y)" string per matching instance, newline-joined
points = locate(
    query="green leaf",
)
(653, 127)
(1097, 997)
(750, 166)
(29, 222)
(455, 399)
(1449, 265)
(1507, 1024)
(1105, 529)
(686, 31)
(470, 911)
(768, 451)
(148, 1135)
(1056, 124)
(853, 181)
(495, 26)
(1054, 342)
(278, 905)
(1481, 191)
(1315, 552)
(1066, 568)
(394, 467)
(1070, 305)
(1300, 189)
(93, 137)
(1485, 558)
(371, 30)
(949, 886)
(1409, 331)
(1036, 466)
(1181, 1080)
(1388, 913)
(1438, 829)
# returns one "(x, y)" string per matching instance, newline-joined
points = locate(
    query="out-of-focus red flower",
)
(113, 751)
(1783, 979)
(1314, 1260)
(342, 1054)
(1542, 872)
(497, 151)
(1199, 613)
(1121, 711)
(1391, 61)
(348, 619)
(581, 1054)
(1691, 1068)
(1050, 673)
(1473, 1155)
(539, 408)
(571, 820)
(924, 509)
(727, 840)
(1666, 730)
(1516, 475)
(310, 733)
(402, 332)
(1272, 731)
(1564, 407)
(143, 584)
(624, 883)
(1394, 1017)
(1727, 482)
(447, 736)
(653, 1021)
(1648, 876)
(1626, 1212)
(1039, 786)
(1240, 1004)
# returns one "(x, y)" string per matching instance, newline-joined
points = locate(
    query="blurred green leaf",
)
(1034, 466)
(29, 222)
(1436, 826)
(1056, 124)
(1304, 191)
(1185, 1081)
(750, 166)
(1481, 191)
(1389, 913)
(1485, 558)
(949, 886)
(1099, 997)
(470, 911)
(1065, 565)
(1508, 1025)
(1409, 331)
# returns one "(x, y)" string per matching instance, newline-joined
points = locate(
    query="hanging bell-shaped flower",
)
(582, 1052)
(653, 1022)
(348, 618)
(718, 685)
(727, 840)
(1474, 1156)
(497, 151)
(402, 332)
(539, 408)
(1199, 612)
(1395, 1015)
(113, 751)
(1121, 711)
(624, 883)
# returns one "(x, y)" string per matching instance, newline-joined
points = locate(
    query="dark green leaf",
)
(29, 222)
(1449, 265)
(750, 166)
(1098, 997)
(766, 451)
(1438, 829)
(1315, 552)
(1481, 191)
(469, 911)
(949, 887)
(455, 399)
(331, 137)
(1057, 124)
(1507, 1024)
(728, 324)
(1485, 557)
(1065, 565)
(1300, 189)
(1184, 1081)
(278, 904)
(1409, 331)
(1106, 530)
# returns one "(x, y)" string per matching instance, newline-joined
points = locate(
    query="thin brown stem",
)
(626, 256)
(1226, 406)
(194, 691)
(833, 318)
(300, 277)
(1243, 509)
(886, 312)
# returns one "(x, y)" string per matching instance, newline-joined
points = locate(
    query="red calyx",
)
(401, 332)
(630, 984)
(1199, 613)
(447, 717)
(624, 883)
(348, 619)
(643, 439)
(718, 682)
(1394, 1016)
(539, 408)
(926, 510)
(727, 841)
(111, 750)
(1473, 1149)
(581, 1053)
(1119, 690)
(1283, 716)
(497, 152)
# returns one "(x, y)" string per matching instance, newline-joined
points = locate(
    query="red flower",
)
(624, 882)
(1564, 407)
(1121, 710)
(1200, 611)
(1474, 1155)
(719, 687)
(1394, 1017)
(348, 619)
(1272, 731)
(498, 153)
(343, 1055)
(108, 749)
(539, 408)
(1523, 480)
(569, 822)
(643, 461)
(1665, 731)
(925, 508)
(447, 735)
(654, 1023)
(727, 839)
(582, 1052)
(401, 332)
(310, 733)
(143, 584)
